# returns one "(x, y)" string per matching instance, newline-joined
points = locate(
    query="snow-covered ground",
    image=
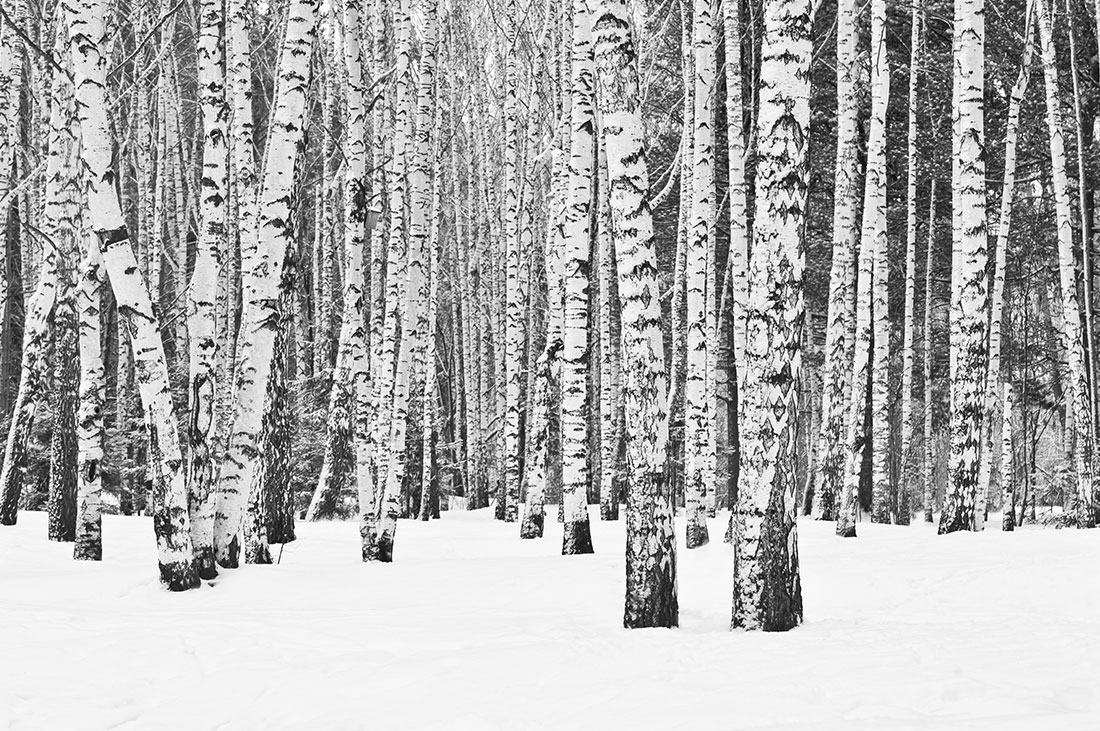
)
(472, 628)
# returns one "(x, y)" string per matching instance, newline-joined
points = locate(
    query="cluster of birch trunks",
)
(478, 254)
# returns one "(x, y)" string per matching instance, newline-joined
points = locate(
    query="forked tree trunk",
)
(262, 279)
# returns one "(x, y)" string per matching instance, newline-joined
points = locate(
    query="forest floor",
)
(472, 628)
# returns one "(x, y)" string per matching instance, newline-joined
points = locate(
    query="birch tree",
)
(170, 514)
(699, 457)
(993, 395)
(839, 345)
(203, 288)
(1077, 397)
(577, 536)
(262, 274)
(767, 591)
(651, 599)
(969, 294)
(874, 236)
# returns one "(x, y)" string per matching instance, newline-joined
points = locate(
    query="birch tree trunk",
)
(839, 344)
(262, 273)
(929, 487)
(908, 359)
(737, 264)
(379, 545)
(577, 536)
(91, 501)
(63, 222)
(968, 268)
(1077, 396)
(874, 236)
(993, 395)
(766, 584)
(170, 515)
(698, 457)
(513, 317)
(651, 599)
(202, 291)
(1008, 475)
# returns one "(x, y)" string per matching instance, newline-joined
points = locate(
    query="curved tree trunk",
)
(263, 272)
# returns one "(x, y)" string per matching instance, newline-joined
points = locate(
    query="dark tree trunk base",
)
(205, 565)
(232, 561)
(179, 576)
(532, 526)
(697, 534)
(576, 538)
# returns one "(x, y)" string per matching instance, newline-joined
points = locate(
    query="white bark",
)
(262, 279)
(651, 599)
(577, 536)
(993, 395)
(202, 291)
(968, 266)
(839, 344)
(170, 516)
(766, 586)
(874, 236)
(699, 457)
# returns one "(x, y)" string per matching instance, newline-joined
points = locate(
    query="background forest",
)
(448, 327)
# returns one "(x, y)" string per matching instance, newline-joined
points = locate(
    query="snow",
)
(472, 628)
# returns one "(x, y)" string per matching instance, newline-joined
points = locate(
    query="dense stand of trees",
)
(378, 260)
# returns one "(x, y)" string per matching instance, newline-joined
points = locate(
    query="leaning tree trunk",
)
(968, 268)
(767, 590)
(1077, 394)
(651, 542)
(832, 440)
(170, 516)
(577, 535)
(736, 281)
(993, 394)
(63, 204)
(262, 279)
